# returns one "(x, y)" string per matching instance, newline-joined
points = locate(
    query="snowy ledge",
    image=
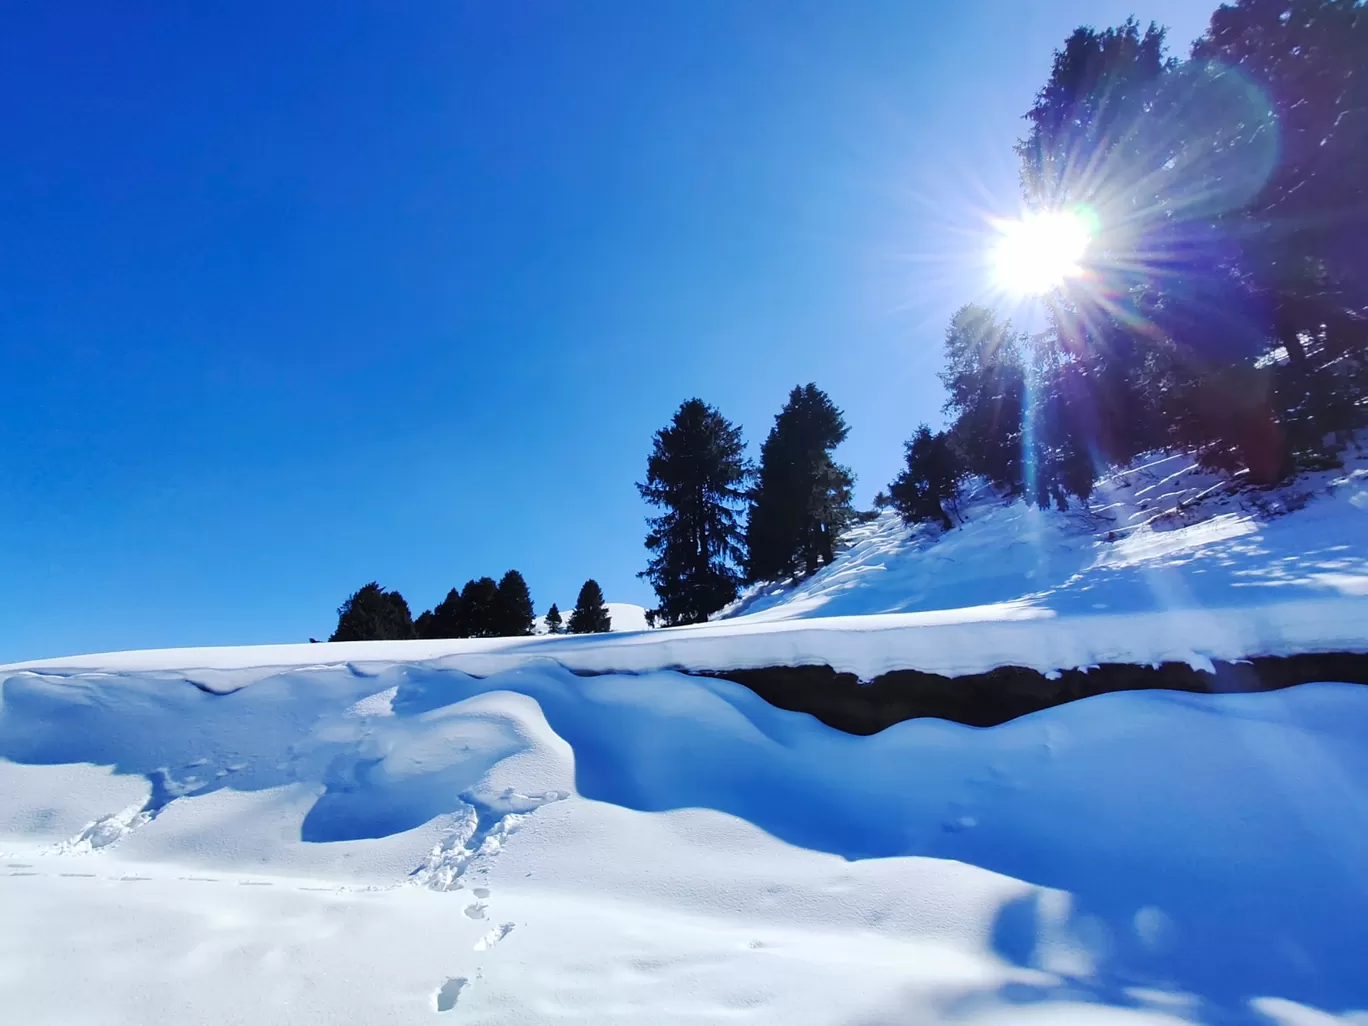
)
(949, 643)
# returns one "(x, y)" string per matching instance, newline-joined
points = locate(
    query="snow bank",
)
(950, 642)
(389, 842)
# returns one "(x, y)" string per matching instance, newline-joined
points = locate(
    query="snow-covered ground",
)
(473, 831)
(338, 845)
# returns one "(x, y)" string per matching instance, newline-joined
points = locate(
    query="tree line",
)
(795, 503)
(1222, 311)
(1224, 308)
(481, 609)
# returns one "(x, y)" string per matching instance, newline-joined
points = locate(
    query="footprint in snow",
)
(448, 993)
(476, 911)
(493, 937)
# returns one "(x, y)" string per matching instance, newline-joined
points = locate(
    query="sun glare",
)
(1041, 251)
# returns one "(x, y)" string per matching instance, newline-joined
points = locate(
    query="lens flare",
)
(1041, 251)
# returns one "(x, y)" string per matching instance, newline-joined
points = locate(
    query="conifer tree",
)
(515, 616)
(479, 609)
(1225, 311)
(422, 627)
(445, 620)
(554, 624)
(696, 473)
(986, 382)
(801, 500)
(927, 489)
(590, 615)
(373, 614)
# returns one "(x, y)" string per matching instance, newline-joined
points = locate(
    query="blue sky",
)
(297, 296)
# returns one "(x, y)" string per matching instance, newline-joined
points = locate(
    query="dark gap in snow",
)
(842, 701)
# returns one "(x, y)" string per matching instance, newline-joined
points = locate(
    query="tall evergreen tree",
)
(696, 473)
(515, 615)
(1083, 145)
(479, 609)
(554, 624)
(801, 500)
(373, 614)
(590, 615)
(445, 620)
(986, 382)
(928, 488)
(1303, 256)
(1226, 308)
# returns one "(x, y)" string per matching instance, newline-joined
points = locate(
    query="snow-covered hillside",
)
(1159, 536)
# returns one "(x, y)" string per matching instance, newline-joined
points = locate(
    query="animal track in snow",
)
(448, 992)
(476, 911)
(493, 937)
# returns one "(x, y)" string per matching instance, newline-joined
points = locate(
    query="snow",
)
(553, 829)
(392, 843)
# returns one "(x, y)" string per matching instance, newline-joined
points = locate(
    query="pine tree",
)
(515, 614)
(446, 619)
(801, 500)
(373, 614)
(928, 488)
(1226, 306)
(696, 472)
(479, 609)
(590, 615)
(987, 385)
(554, 624)
(1084, 145)
(1303, 258)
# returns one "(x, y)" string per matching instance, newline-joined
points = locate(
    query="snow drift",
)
(550, 829)
(391, 843)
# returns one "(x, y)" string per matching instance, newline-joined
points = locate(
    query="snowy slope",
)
(1163, 535)
(338, 845)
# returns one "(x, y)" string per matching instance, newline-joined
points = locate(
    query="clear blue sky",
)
(294, 296)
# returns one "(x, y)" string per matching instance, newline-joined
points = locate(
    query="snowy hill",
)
(549, 829)
(1159, 536)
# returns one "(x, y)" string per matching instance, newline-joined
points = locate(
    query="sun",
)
(1041, 251)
